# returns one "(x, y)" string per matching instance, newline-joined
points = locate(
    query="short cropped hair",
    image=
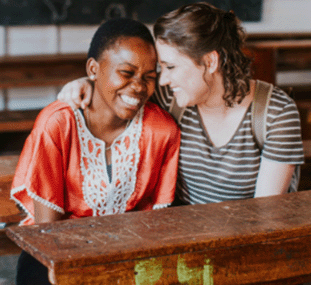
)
(113, 30)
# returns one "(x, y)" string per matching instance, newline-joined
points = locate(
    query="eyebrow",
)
(135, 67)
(165, 62)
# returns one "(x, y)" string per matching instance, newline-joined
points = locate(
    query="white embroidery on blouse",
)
(103, 197)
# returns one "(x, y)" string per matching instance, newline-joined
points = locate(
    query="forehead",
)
(132, 49)
(169, 53)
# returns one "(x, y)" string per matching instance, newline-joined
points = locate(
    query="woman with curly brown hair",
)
(205, 71)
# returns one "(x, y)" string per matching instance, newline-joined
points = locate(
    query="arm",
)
(44, 214)
(77, 93)
(283, 149)
(274, 178)
(39, 177)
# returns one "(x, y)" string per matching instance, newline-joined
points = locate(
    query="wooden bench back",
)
(7, 170)
(9, 212)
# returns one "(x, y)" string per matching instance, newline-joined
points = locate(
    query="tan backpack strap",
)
(176, 111)
(260, 106)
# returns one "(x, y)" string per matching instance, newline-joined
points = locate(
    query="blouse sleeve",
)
(283, 142)
(39, 174)
(166, 184)
(157, 172)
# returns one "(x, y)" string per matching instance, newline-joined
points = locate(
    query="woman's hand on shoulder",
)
(77, 93)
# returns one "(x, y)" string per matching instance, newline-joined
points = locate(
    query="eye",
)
(127, 73)
(151, 77)
(170, 67)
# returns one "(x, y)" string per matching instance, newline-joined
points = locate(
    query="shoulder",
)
(157, 120)
(56, 113)
(279, 98)
(162, 97)
(154, 112)
(282, 105)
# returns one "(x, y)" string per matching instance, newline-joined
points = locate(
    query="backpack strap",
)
(260, 106)
(176, 111)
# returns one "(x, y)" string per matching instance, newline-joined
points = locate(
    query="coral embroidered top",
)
(63, 165)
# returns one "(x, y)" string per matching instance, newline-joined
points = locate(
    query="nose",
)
(138, 85)
(163, 78)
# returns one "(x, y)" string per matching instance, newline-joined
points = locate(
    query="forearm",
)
(44, 214)
(274, 178)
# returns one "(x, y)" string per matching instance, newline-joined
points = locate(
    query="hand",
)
(77, 93)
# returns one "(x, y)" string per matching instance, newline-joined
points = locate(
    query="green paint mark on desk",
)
(194, 275)
(148, 272)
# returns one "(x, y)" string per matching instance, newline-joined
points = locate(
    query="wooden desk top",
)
(236, 242)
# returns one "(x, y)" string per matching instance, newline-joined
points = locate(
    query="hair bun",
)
(229, 16)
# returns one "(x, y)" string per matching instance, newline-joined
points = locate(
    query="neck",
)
(102, 123)
(215, 99)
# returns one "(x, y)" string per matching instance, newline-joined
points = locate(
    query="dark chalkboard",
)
(42, 12)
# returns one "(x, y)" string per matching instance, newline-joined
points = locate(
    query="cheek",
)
(151, 88)
(116, 82)
(182, 77)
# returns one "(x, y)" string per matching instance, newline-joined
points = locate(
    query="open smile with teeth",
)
(175, 89)
(130, 100)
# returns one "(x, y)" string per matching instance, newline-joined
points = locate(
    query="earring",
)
(92, 77)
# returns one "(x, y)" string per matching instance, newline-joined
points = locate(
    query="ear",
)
(211, 61)
(92, 68)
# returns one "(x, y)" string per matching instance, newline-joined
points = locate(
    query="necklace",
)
(88, 124)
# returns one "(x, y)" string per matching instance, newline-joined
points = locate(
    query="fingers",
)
(88, 91)
(76, 99)
(73, 93)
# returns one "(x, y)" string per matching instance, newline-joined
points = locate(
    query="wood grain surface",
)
(255, 241)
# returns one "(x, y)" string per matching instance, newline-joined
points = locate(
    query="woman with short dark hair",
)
(117, 155)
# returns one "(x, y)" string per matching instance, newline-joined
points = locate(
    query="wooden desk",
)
(255, 241)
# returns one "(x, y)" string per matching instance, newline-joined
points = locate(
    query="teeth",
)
(130, 100)
(176, 89)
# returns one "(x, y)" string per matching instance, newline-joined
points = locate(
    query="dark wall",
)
(28, 12)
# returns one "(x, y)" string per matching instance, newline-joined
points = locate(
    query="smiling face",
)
(187, 80)
(125, 77)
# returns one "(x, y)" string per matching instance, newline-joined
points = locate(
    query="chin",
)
(129, 115)
(181, 103)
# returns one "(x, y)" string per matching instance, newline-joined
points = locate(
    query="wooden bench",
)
(9, 213)
(256, 241)
(37, 70)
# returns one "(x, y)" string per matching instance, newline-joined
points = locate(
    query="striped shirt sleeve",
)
(283, 142)
(162, 97)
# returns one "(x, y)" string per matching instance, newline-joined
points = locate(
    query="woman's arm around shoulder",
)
(77, 93)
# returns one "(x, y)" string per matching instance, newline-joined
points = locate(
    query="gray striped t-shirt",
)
(210, 174)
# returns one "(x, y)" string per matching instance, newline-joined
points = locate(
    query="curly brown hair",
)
(200, 28)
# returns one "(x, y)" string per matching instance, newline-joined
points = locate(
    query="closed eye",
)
(127, 72)
(151, 77)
